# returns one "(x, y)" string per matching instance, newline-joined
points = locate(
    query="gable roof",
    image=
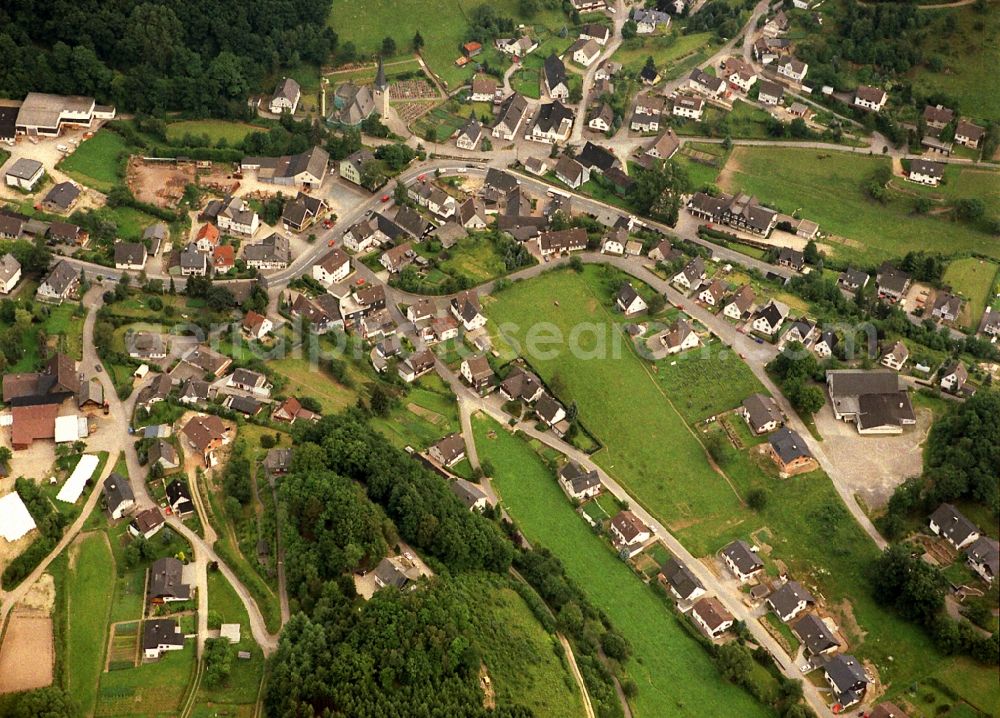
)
(579, 478)
(953, 524)
(166, 579)
(596, 156)
(762, 409)
(788, 445)
(450, 447)
(787, 598)
(711, 611)
(555, 71)
(739, 553)
(680, 578)
(117, 490)
(814, 634)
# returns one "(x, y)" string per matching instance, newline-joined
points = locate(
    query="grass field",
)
(873, 231)
(96, 163)
(304, 379)
(150, 689)
(973, 279)
(426, 414)
(475, 258)
(232, 132)
(967, 61)
(519, 653)
(700, 173)
(707, 381)
(654, 453)
(666, 51)
(90, 571)
(442, 23)
(674, 674)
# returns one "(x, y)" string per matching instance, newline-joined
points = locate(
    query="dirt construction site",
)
(158, 183)
(27, 654)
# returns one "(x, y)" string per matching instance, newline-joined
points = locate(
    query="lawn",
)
(666, 50)
(518, 652)
(306, 379)
(701, 173)
(442, 23)
(150, 689)
(669, 667)
(706, 381)
(245, 678)
(428, 413)
(475, 258)
(232, 132)
(873, 231)
(97, 162)
(653, 454)
(439, 124)
(91, 570)
(973, 279)
(527, 81)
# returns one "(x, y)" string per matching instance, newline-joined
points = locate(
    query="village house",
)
(448, 451)
(237, 217)
(521, 385)
(680, 581)
(596, 32)
(870, 98)
(761, 413)
(550, 412)
(478, 373)
(305, 169)
(162, 452)
(223, 259)
(983, 556)
(629, 301)
(10, 273)
(711, 616)
(146, 523)
(769, 319)
(160, 635)
(469, 136)
(815, 636)
(61, 198)
(518, 47)
(166, 581)
(208, 360)
(665, 146)
(968, 134)
(118, 496)
(647, 21)
(954, 376)
(741, 211)
(847, 679)
(584, 51)
(416, 365)
(740, 305)
(691, 275)
(249, 381)
(801, 330)
(712, 293)
(628, 533)
(926, 173)
(286, 97)
(465, 308)
(892, 283)
(291, 410)
(145, 345)
(179, 498)
(579, 483)
(352, 167)
(60, 284)
(852, 280)
(826, 344)
(887, 709)
(708, 85)
(790, 600)
(787, 449)
(602, 119)
(795, 70)
(679, 337)
(946, 307)
(554, 78)
(205, 434)
(256, 326)
(937, 117)
(207, 238)
(791, 258)
(562, 241)
(950, 524)
(739, 73)
(571, 172)
(895, 357)
(24, 173)
(471, 496)
(614, 241)
(332, 267)
(770, 93)
(483, 88)
(553, 123)
(510, 116)
(989, 325)
(742, 561)
(301, 212)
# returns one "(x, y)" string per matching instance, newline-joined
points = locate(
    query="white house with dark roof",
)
(680, 581)
(579, 483)
(60, 283)
(711, 616)
(925, 172)
(847, 679)
(469, 136)
(332, 267)
(870, 98)
(950, 524)
(448, 451)
(24, 173)
(895, 357)
(792, 68)
(286, 97)
(769, 319)
(740, 304)
(10, 273)
(691, 275)
(761, 413)
(790, 600)
(983, 556)
(629, 301)
(770, 93)
(954, 376)
(628, 533)
(742, 561)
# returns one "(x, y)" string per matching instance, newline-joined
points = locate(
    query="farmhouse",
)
(926, 173)
(741, 211)
(790, 600)
(628, 533)
(815, 636)
(679, 337)
(847, 678)
(950, 524)
(968, 134)
(578, 483)
(692, 274)
(146, 523)
(983, 556)
(711, 616)
(741, 560)
(585, 51)
(680, 581)
(794, 70)
(159, 635)
(761, 413)
(286, 97)
(740, 304)
(629, 301)
(770, 93)
(790, 453)
(876, 401)
(448, 451)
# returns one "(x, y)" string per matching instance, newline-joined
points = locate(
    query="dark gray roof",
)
(891, 409)
(595, 156)
(857, 382)
(24, 168)
(788, 445)
(762, 409)
(467, 492)
(547, 408)
(162, 449)
(772, 89)
(278, 460)
(814, 634)
(847, 675)
(985, 551)
(578, 477)
(117, 490)
(627, 294)
(63, 195)
(680, 578)
(179, 497)
(62, 276)
(450, 447)
(165, 579)
(555, 71)
(551, 116)
(740, 554)
(891, 279)
(273, 248)
(954, 525)
(130, 253)
(787, 598)
(852, 278)
(390, 574)
(244, 404)
(161, 632)
(924, 167)
(771, 314)
(500, 180)
(520, 384)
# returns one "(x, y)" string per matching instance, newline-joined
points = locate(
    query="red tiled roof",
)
(33, 422)
(223, 256)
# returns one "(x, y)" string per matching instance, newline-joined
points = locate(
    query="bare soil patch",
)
(26, 656)
(158, 183)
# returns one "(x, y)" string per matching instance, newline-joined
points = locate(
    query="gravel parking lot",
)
(874, 465)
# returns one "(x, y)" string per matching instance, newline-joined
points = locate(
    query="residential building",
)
(847, 679)
(484, 89)
(826, 344)
(466, 309)
(416, 365)
(249, 381)
(166, 581)
(301, 212)
(550, 412)
(554, 78)
(711, 616)
(118, 495)
(628, 533)
(761, 413)
(769, 319)
(815, 636)
(470, 134)
(448, 451)
(162, 452)
(205, 433)
(989, 325)
(471, 496)
(10, 273)
(207, 238)
(788, 450)
(60, 284)
(256, 326)
(790, 600)
(691, 275)
(937, 117)
(193, 262)
(946, 307)
(876, 401)
(146, 523)
(596, 32)
(887, 710)
(983, 556)
(579, 483)
(870, 98)
(614, 242)
(892, 283)
(739, 73)
(223, 259)
(852, 280)
(286, 97)
(801, 330)
(712, 293)
(895, 357)
(740, 304)
(478, 373)
(510, 116)
(968, 134)
(679, 337)
(160, 635)
(770, 93)
(584, 51)
(278, 461)
(352, 167)
(926, 173)
(179, 498)
(629, 301)
(647, 21)
(24, 173)
(709, 85)
(561, 242)
(332, 267)
(553, 123)
(145, 345)
(680, 581)
(795, 70)
(741, 211)
(791, 258)
(742, 561)
(950, 524)
(665, 146)
(603, 119)
(954, 376)
(237, 217)
(521, 385)
(571, 172)
(598, 159)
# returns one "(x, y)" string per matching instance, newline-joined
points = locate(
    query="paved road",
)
(614, 42)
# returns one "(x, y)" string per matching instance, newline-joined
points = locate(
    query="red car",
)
(385, 198)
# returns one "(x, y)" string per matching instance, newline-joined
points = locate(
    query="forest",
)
(201, 56)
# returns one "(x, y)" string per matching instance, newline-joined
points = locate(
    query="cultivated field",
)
(667, 664)
(827, 188)
(96, 162)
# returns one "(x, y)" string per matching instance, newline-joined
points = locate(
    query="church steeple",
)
(380, 83)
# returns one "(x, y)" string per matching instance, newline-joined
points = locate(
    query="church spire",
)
(380, 83)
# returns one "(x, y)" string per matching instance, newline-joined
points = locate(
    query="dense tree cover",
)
(50, 702)
(236, 477)
(657, 191)
(402, 654)
(963, 452)
(218, 662)
(331, 528)
(486, 24)
(205, 56)
(426, 512)
(716, 15)
(794, 368)
(50, 524)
